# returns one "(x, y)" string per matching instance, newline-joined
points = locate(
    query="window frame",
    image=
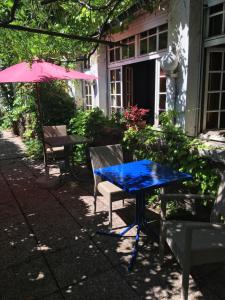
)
(158, 93)
(116, 107)
(206, 91)
(88, 96)
(148, 36)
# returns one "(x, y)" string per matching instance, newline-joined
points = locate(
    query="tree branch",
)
(12, 12)
(59, 34)
(87, 5)
(102, 30)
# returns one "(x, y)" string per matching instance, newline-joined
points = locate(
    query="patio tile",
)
(108, 285)
(210, 279)
(152, 282)
(117, 250)
(81, 261)
(27, 281)
(12, 228)
(48, 215)
(54, 296)
(18, 249)
(8, 211)
(59, 237)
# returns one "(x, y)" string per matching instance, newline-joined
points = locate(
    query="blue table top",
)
(141, 175)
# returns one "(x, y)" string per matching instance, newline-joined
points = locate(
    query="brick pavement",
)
(49, 249)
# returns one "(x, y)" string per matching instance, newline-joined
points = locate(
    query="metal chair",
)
(101, 157)
(194, 243)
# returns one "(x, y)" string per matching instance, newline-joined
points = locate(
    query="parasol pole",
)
(41, 126)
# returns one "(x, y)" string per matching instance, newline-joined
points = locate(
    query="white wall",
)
(194, 67)
(178, 35)
(185, 22)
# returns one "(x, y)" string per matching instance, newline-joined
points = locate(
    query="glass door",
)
(128, 86)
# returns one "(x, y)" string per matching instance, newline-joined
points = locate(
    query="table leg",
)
(67, 158)
(139, 222)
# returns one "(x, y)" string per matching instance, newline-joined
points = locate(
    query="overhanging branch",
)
(12, 12)
(85, 4)
(62, 35)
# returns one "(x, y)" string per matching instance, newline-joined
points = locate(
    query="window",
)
(114, 53)
(115, 90)
(129, 51)
(162, 92)
(88, 95)
(154, 39)
(216, 20)
(214, 116)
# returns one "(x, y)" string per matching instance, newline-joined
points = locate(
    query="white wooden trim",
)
(157, 76)
(109, 89)
(206, 90)
(141, 58)
(213, 2)
(121, 86)
(206, 86)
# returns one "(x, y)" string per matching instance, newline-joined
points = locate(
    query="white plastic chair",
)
(101, 157)
(194, 243)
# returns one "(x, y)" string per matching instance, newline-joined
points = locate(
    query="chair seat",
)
(107, 189)
(54, 149)
(208, 246)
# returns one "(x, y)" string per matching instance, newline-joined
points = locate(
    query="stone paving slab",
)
(11, 146)
(17, 250)
(54, 296)
(79, 262)
(28, 280)
(108, 285)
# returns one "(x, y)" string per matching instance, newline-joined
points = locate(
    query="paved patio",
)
(49, 249)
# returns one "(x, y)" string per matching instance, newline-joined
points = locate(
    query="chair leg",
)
(185, 283)
(95, 200)
(123, 202)
(95, 197)
(162, 242)
(110, 213)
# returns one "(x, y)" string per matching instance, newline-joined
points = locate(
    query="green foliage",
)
(90, 124)
(172, 147)
(33, 148)
(57, 106)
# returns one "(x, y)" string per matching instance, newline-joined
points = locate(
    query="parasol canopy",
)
(40, 71)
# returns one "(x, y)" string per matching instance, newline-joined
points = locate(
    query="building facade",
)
(195, 31)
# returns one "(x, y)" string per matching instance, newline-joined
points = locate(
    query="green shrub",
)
(56, 104)
(171, 146)
(90, 124)
(34, 148)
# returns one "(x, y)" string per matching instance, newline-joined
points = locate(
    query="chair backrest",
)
(104, 156)
(54, 131)
(218, 211)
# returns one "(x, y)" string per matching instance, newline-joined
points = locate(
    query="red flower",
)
(134, 116)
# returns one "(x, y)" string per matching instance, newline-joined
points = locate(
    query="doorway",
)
(139, 86)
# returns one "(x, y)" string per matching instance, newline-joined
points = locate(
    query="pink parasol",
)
(40, 71)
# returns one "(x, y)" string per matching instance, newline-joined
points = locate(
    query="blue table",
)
(137, 178)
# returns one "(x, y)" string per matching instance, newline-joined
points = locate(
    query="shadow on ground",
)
(50, 249)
